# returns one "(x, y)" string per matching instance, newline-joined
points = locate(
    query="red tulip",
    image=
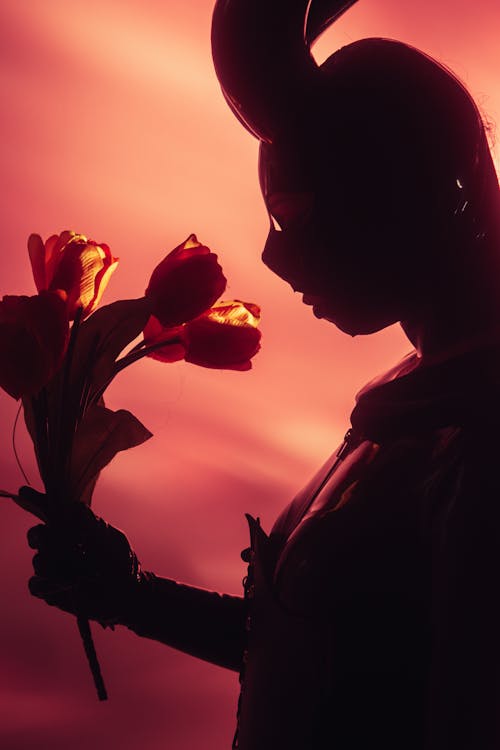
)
(185, 284)
(33, 339)
(225, 337)
(68, 261)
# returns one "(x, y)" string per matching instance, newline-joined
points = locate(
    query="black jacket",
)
(370, 615)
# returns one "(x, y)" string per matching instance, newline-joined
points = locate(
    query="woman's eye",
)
(274, 222)
(289, 209)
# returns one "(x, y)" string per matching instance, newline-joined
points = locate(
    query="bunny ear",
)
(262, 60)
(321, 15)
(261, 53)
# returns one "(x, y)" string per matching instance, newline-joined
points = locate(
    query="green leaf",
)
(35, 419)
(101, 339)
(99, 437)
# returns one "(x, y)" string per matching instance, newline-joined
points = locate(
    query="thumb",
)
(33, 501)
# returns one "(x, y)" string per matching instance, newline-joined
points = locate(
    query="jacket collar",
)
(417, 396)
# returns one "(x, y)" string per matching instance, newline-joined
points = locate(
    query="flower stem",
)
(137, 347)
(41, 439)
(86, 385)
(66, 417)
(88, 645)
(133, 356)
(14, 448)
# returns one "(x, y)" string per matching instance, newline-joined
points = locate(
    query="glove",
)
(84, 566)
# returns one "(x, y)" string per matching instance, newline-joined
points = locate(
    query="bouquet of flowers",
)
(61, 353)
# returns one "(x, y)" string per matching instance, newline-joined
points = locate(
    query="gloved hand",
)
(84, 566)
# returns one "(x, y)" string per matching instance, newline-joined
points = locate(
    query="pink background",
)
(113, 124)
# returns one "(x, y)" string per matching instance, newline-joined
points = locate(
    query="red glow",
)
(113, 125)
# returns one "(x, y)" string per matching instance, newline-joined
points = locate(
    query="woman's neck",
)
(456, 323)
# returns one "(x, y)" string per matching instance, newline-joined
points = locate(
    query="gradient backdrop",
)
(112, 124)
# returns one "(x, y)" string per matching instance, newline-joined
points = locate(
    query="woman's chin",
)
(350, 324)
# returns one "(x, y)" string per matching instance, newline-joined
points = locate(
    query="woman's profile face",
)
(374, 165)
(332, 247)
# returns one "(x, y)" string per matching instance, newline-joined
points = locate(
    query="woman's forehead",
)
(284, 171)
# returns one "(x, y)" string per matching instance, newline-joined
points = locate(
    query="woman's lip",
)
(309, 299)
(315, 302)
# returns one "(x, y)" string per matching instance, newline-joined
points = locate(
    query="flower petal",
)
(83, 271)
(22, 370)
(33, 339)
(54, 249)
(187, 249)
(235, 313)
(101, 282)
(36, 251)
(155, 334)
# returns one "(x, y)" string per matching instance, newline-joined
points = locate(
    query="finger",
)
(45, 567)
(45, 537)
(44, 588)
(37, 536)
(62, 565)
(72, 599)
(55, 596)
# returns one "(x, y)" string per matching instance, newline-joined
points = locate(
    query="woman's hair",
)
(403, 133)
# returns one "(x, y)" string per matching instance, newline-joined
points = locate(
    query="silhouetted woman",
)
(371, 611)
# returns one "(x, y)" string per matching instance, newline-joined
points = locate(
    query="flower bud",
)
(70, 262)
(185, 284)
(225, 337)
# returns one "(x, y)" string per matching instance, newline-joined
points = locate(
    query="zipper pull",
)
(346, 445)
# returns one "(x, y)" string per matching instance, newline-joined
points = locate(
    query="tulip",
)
(33, 339)
(70, 262)
(185, 284)
(225, 337)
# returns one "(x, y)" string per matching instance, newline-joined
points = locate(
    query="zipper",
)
(346, 446)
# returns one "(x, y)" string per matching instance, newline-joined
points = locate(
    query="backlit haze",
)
(113, 125)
